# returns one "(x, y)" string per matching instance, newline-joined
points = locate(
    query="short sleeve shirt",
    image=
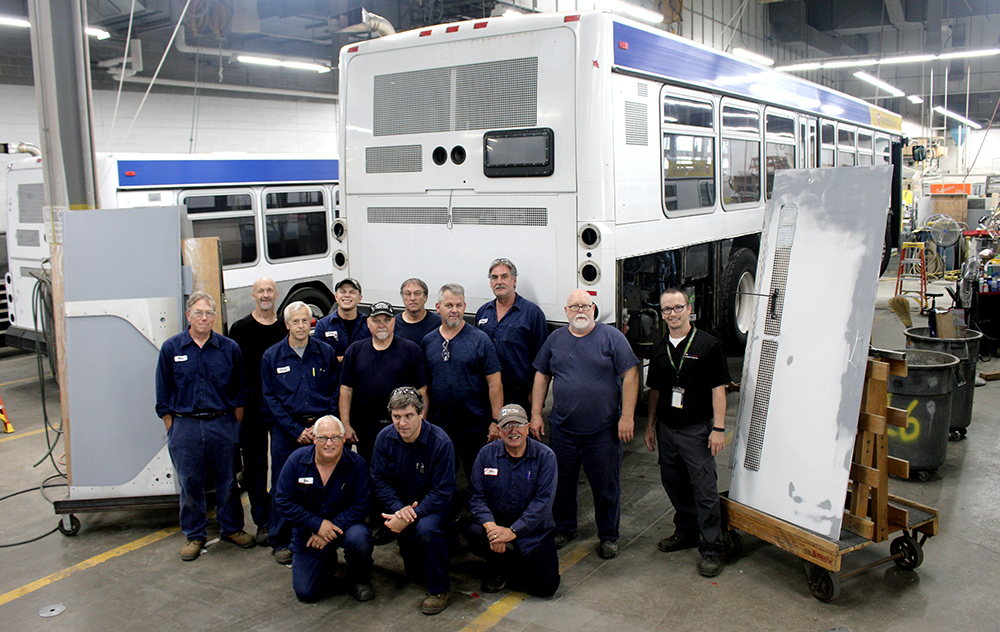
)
(459, 392)
(704, 368)
(415, 332)
(373, 374)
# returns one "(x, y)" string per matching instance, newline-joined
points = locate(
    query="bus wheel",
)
(738, 300)
(318, 302)
(886, 247)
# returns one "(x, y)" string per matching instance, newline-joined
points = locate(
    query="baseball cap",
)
(353, 282)
(511, 413)
(381, 307)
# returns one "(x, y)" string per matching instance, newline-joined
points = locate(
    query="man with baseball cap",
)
(346, 324)
(513, 486)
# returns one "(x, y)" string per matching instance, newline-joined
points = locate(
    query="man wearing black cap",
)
(346, 324)
(513, 485)
(371, 370)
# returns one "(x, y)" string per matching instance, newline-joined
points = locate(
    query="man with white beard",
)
(596, 387)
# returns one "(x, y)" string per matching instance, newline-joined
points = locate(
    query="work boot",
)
(493, 583)
(562, 539)
(676, 542)
(711, 565)
(191, 550)
(434, 604)
(282, 556)
(383, 535)
(608, 549)
(364, 592)
(261, 537)
(241, 539)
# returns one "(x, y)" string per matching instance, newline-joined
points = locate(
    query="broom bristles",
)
(901, 307)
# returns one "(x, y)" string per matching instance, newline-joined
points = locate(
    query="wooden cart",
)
(871, 513)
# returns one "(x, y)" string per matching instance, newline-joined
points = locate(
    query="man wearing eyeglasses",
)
(596, 385)
(517, 328)
(688, 374)
(323, 492)
(513, 486)
(465, 389)
(415, 322)
(299, 385)
(200, 397)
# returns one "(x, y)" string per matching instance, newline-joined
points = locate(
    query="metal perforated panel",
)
(636, 127)
(642, 89)
(28, 238)
(779, 276)
(30, 198)
(393, 159)
(412, 102)
(407, 215)
(501, 216)
(761, 402)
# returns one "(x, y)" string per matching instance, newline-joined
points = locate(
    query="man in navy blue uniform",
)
(513, 486)
(199, 396)
(415, 322)
(323, 491)
(596, 387)
(371, 370)
(299, 384)
(466, 392)
(688, 374)
(413, 471)
(347, 323)
(517, 328)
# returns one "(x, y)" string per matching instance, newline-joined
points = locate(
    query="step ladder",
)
(913, 267)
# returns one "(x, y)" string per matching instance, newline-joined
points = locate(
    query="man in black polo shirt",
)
(687, 376)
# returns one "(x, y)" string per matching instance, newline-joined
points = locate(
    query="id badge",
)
(677, 397)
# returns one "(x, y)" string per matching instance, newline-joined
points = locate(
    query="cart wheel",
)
(955, 435)
(733, 543)
(913, 553)
(823, 584)
(72, 529)
(963, 432)
(924, 475)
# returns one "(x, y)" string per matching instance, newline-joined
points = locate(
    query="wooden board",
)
(203, 256)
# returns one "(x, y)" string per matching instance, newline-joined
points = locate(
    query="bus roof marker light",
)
(352, 49)
(958, 117)
(760, 59)
(482, 25)
(451, 29)
(572, 18)
(878, 83)
(623, 45)
(425, 33)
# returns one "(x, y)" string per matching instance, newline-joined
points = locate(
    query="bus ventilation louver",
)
(393, 159)
(468, 216)
(636, 124)
(779, 274)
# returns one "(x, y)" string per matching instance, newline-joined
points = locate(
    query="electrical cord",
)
(41, 489)
(41, 302)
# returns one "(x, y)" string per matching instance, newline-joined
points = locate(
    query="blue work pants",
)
(424, 548)
(600, 454)
(310, 567)
(280, 529)
(535, 572)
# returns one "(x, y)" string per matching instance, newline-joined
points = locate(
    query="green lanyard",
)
(670, 353)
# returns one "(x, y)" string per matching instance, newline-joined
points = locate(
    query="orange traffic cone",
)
(7, 428)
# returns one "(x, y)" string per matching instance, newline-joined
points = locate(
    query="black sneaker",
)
(562, 539)
(711, 565)
(493, 583)
(676, 542)
(364, 592)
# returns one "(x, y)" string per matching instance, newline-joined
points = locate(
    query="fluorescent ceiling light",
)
(811, 65)
(631, 10)
(14, 22)
(894, 91)
(847, 63)
(98, 33)
(760, 59)
(267, 61)
(958, 117)
(915, 99)
(906, 59)
(971, 53)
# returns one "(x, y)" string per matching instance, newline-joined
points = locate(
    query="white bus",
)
(276, 216)
(594, 152)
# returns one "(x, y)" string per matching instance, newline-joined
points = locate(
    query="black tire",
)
(74, 526)
(823, 584)
(886, 248)
(319, 302)
(913, 553)
(923, 476)
(737, 306)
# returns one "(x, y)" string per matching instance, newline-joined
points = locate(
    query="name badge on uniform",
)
(182, 358)
(306, 480)
(482, 321)
(677, 397)
(284, 369)
(330, 334)
(490, 471)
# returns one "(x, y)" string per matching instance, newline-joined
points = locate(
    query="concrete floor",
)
(123, 570)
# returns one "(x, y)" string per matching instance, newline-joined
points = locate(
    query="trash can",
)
(967, 351)
(926, 394)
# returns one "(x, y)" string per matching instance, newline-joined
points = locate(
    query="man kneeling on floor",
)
(323, 491)
(513, 485)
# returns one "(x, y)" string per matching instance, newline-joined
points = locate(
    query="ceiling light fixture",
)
(298, 65)
(958, 117)
(760, 59)
(811, 65)
(915, 99)
(100, 34)
(847, 63)
(899, 59)
(14, 22)
(971, 53)
(631, 10)
(875, 81)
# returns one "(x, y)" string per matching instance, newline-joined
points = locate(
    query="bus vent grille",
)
(636, 127)
(407, 215)
(501, 216)
(393, 159)
(642, 89)
(28, 238)
(761, 402)
(30, 198)
(491, 95)
(779, 273)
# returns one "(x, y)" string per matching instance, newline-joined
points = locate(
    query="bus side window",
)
(296, 224)
(741, 171)
(230, 217)
(779, 150)
(828, 140)
(688, 143)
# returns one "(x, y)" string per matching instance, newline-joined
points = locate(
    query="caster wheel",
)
(72, 529)
(913, 553)
(924, 475)
(823, 584)
(733, 542)
(963, 432)
(955, 435)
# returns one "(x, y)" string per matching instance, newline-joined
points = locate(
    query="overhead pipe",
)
(370, 23)
(181, 45)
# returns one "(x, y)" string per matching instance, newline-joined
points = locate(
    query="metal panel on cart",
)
(805, 367)
(123, 298)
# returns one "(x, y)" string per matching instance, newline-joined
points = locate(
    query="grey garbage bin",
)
(967, 351)
(926, 394)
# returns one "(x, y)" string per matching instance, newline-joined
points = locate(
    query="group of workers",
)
(370, 414)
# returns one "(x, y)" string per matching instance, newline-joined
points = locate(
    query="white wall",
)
(258, 125)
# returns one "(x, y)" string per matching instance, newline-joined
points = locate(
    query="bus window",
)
(740, 155)
(779, 156)
(846, 151)
(296, 224)
(828, 153)
(229, 217)
(688, 154)
(864, 141)
(882, 146)
(779, 150)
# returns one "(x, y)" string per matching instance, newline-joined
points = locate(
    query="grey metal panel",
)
(116, 255)
(802, 384)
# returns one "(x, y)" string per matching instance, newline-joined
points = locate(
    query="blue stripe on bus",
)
(676, 60)
(148, 173)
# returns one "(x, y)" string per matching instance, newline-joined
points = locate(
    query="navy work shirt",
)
(515, 493)
(373, 375)
(305, 501)
(517, 337)
(193, 379)
(459, 393)
(297, 387)
(332, 330)
(415, 332)
(421, 472)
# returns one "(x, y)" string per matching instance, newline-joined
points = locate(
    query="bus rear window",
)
(518, 153)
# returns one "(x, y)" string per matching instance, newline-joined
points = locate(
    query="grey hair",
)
(406, 396)
(293, 307)
(454, 288)
(331, 417)
(414, 281)
(199, 296)
(504, 262)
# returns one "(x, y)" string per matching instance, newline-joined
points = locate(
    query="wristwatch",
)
(717, 429)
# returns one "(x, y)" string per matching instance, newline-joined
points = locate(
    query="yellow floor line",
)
(21, 381)
(19, 435)
(84, 565)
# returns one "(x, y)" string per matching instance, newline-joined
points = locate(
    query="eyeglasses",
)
(200, 314)
(510, 425)
(580, 308)
(336, 439)
(445, 351)
(677, 309)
